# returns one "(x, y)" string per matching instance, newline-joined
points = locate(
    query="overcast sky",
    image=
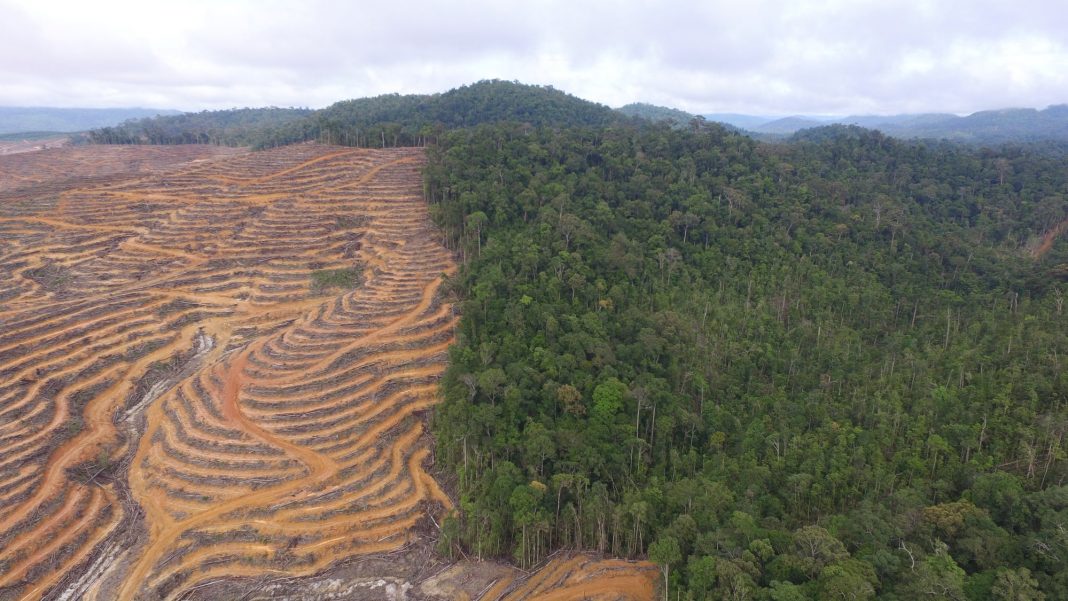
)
(751, 56)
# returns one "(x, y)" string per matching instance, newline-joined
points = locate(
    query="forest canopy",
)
(824, 369)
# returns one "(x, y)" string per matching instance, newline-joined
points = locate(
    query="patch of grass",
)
(349, 222)
(324, 279)
(74, 425)
(51, 277)
(88, 471)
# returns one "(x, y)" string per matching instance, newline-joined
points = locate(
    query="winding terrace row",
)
(286, 434)
(181, 402)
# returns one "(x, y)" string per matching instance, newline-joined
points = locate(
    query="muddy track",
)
(181, 406)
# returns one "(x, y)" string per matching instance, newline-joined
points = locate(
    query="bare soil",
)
(185, 414)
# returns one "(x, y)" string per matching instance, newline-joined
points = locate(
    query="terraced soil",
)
(579, 577)
(183, 402)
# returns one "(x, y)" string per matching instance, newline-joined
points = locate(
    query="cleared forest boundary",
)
(215, 370)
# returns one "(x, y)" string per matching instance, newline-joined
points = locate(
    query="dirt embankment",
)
(16, 146)
(1049, 238)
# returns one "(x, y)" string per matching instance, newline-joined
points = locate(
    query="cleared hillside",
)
(297, 393)
(216, 371)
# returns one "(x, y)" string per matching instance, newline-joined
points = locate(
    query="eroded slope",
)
(214, 365)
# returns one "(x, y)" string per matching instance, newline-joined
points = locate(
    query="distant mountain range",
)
(498, 100)
(988, 127)
(15, 119)
(985, 127)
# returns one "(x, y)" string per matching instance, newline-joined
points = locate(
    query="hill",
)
(381, 121)
(655, 113)
(985, 127)
(394, 119)
(787, 125)
(43, 119)
(1008, 125)
(887, 122)
(744, 122)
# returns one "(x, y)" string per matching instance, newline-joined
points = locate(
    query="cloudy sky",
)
(751, 56)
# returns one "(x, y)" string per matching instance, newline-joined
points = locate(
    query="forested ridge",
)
(828, 368)
(816, 370)
(416, 120)
(385, 121)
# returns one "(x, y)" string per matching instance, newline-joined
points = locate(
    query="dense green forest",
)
(415, 120)
(827, 369)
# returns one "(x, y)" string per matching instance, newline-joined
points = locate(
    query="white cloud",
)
(763, 56)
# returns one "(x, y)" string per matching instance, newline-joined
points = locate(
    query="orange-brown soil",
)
(1046, 242)
(180, 405)
(576, 577)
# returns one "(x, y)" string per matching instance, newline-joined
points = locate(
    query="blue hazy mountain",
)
(995, 126)
(14, 119)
